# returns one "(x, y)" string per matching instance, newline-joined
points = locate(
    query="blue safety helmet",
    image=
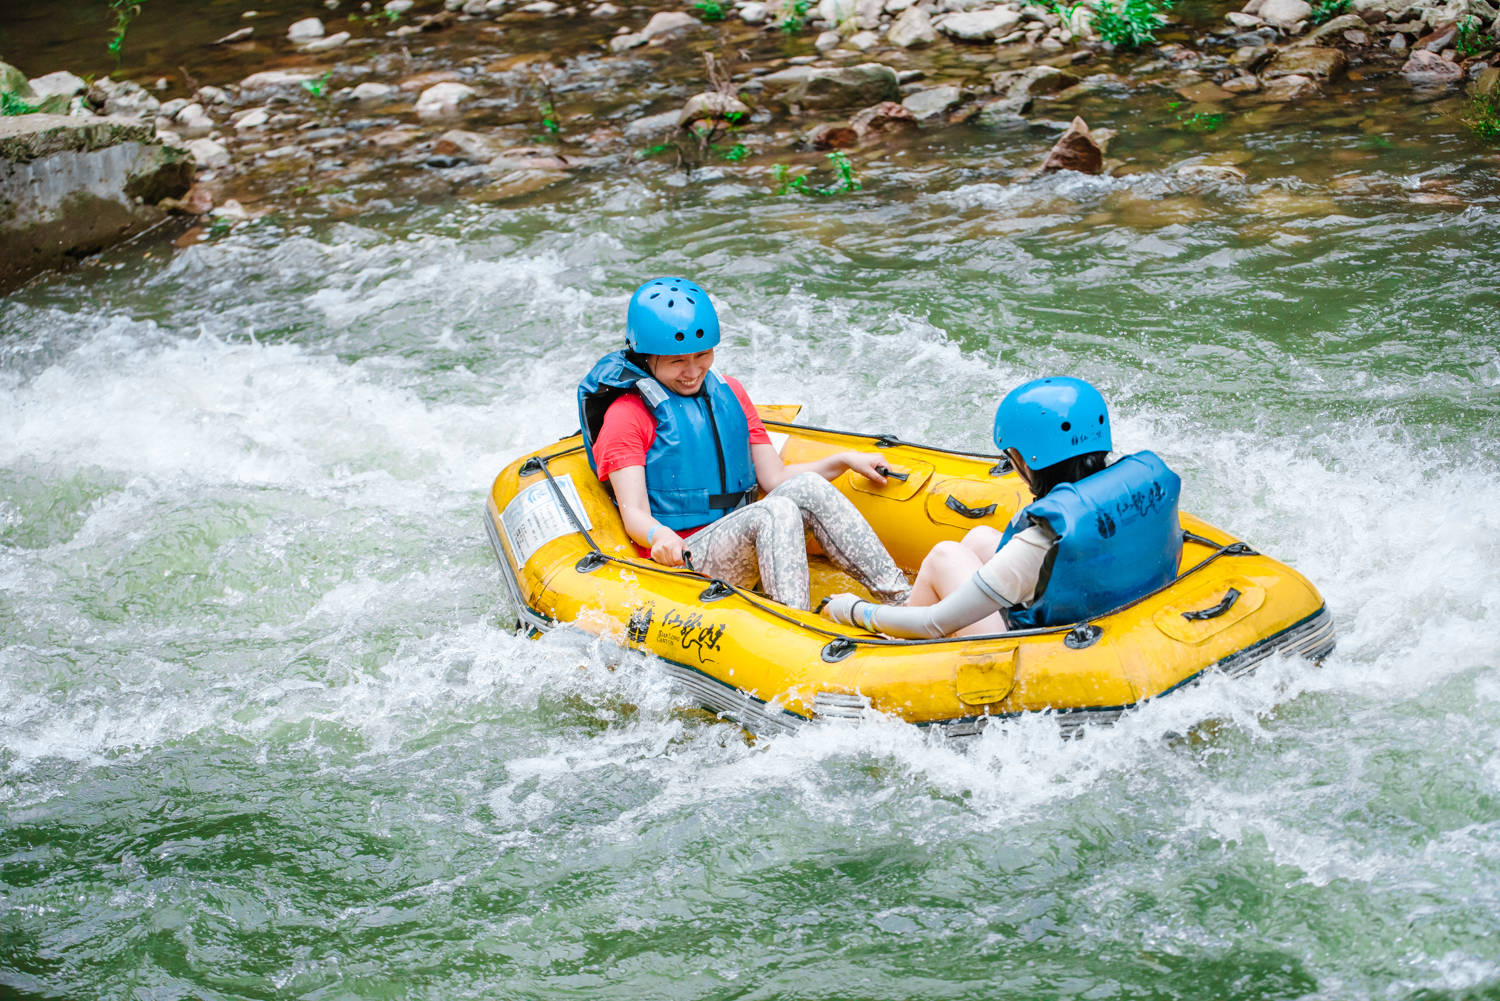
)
(670, 316)
(1049, 420)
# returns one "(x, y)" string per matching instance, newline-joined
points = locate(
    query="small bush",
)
(1131, 24)
(1484, 117)
(710, 10)
(847, 181)
(1327, 10)
(794, 15)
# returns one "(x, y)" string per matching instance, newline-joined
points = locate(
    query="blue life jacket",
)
(698, 468)
(1118, 540)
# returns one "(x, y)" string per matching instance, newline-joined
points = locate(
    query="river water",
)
(265, 730)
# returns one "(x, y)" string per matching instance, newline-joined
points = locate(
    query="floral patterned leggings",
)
(766, 539)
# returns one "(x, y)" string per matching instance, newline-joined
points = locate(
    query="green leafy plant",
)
(125, 11)
(736, 153)
(12, 104)
(794, 15)
(710, 10)
(318, 86)
(1471, 39)
(651, 151)
(1198, 121)
(1129, 24)
(1327, 10)
(786, 182)
(1484, 116)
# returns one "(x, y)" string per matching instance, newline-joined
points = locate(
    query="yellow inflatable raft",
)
(565, 558)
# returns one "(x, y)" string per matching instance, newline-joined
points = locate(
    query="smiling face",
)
(682, 374)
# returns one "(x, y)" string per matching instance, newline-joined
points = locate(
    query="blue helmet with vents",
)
(670, 316)
(1049, 420)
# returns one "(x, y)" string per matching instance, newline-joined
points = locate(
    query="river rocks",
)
(60, 84)
(841, 87)
(980, 25)
(276, 79)
(1076, 150)
(192, 120)
(932, 102)
(651, 126)
(370, 92)
(755, 13)
(250, 118)
(831, 135)
(1311, 61)
(306, 30)
(626, 42)
(912, 28)
(669, 22)
(469, 146)
(1031, 81)
(324, 44)
(863, 41)
(1002, 112)
(70, 186)
(714, 107)
(1428, 69)
(208, 154)
(1285, 14)
(1211, 172)
(827, 40)
(1292, 87)
(443, 100)
(887, 116)
(1337, 26)
(125, 99)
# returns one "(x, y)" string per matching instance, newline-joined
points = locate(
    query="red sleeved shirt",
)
(629, 431)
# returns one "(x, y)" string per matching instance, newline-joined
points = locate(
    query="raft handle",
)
(1082, 636)
(590, 562)
(891, 474)
(1003, 466)
(888, 441)
(1230, 597)
(954, 504)
(532, 466)
(836, 650)
(718, 589)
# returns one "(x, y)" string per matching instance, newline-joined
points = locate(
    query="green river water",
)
(265, 731)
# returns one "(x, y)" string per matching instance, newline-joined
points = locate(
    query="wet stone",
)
(1427, 69)
(1076, 151)
(1311, 61)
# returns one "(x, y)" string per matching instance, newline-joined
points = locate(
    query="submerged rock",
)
(1428, 69)
(843, 86)
(1292, 87)
(933, 101)
(887, 116)
(306, 30)
(1076, 150)
(1312, 61)
(831, 136)
(713, 106)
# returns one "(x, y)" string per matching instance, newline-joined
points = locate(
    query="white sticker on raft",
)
(534, 517)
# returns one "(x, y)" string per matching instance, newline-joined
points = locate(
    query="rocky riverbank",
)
(495, 99)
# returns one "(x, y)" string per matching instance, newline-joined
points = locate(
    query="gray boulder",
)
(844, 86)
(912, 28)
(981, 25)
(1312, 61)
(1285, 13)
(71, 186)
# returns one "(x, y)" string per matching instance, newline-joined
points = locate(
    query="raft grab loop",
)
(958, 506)
(1230, 597)
(718, 589)
(836, 650)
(590, 562)
(1082, 636)
(532, 466)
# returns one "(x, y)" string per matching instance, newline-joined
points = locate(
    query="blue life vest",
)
(698, 468)
(1118, 540)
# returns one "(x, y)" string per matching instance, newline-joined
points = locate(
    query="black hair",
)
(1067, 471)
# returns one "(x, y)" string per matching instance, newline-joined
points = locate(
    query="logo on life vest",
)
(1106, 525)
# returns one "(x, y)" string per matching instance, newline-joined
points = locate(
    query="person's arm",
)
(1007, 580)
(771, 472)
(629, 483)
